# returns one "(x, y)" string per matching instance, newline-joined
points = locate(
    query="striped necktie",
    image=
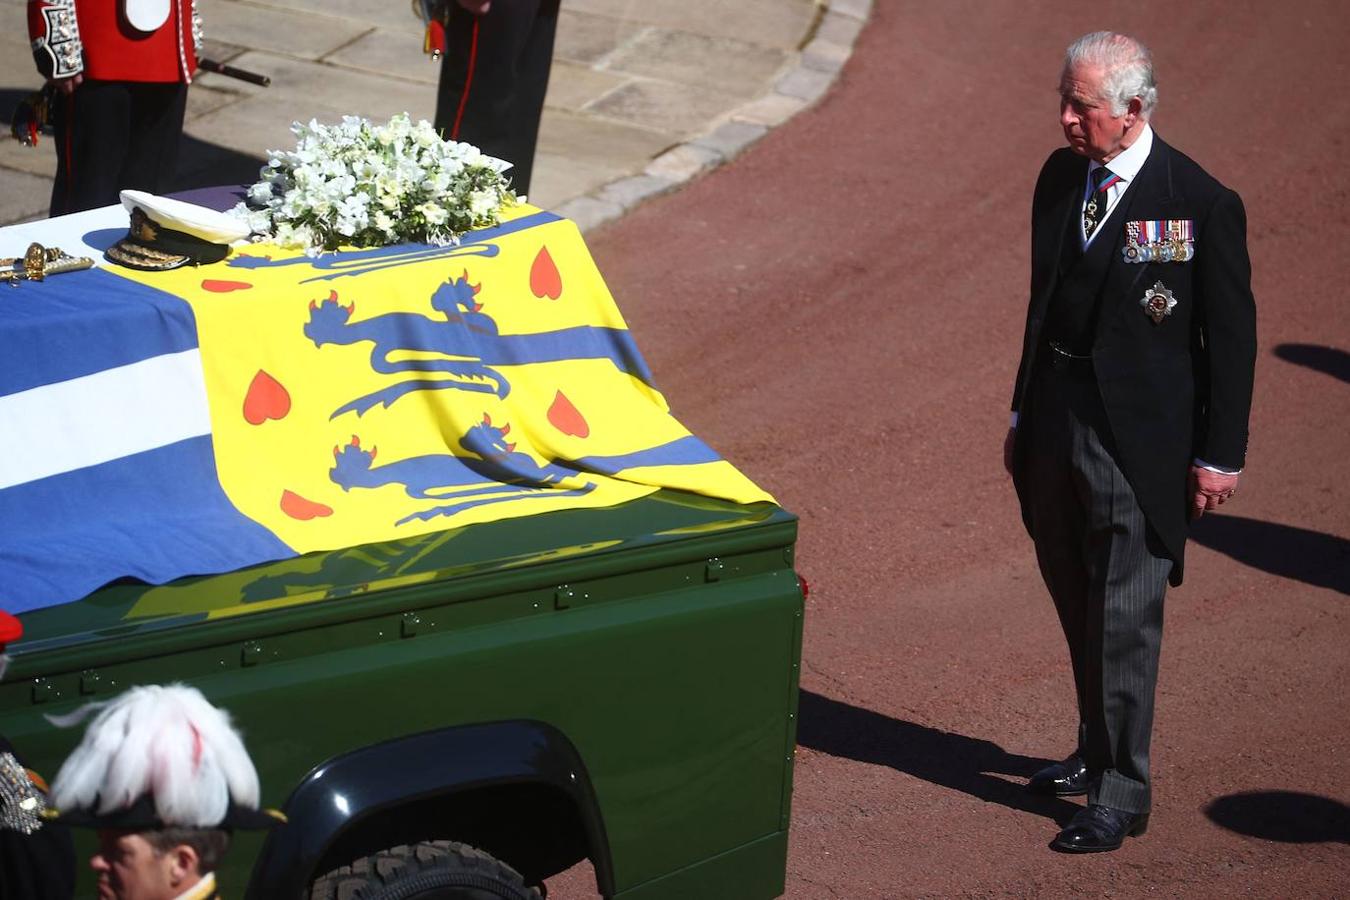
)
(1095, 208)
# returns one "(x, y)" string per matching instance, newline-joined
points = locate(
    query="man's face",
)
(129, 868)
(1089, 125)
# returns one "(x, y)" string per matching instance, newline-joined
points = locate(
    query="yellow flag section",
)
(367, 395)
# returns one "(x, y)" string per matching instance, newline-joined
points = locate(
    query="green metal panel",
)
(755, 870)
(304, 590)
(669, 662)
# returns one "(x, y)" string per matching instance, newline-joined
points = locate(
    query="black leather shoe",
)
(1097, 828)
(1061, 779)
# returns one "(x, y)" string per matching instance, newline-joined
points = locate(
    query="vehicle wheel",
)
(431, 870)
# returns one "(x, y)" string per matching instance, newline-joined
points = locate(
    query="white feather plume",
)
(162, 740)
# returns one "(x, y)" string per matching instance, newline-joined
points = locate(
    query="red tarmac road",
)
(840, 312)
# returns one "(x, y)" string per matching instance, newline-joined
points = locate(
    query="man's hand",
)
(1209, 489)
(475, 7)
(1008, 449)
(67, 86)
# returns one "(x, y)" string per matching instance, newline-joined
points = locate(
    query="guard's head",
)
(164, 778)
(160, 864)
(1107, 93)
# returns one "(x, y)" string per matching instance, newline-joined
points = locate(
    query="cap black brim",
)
(142, 816)
(133, 255)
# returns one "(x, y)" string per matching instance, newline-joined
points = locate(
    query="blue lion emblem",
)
(496, 473)
(460, 348)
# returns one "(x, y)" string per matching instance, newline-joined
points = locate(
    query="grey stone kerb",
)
(813, 70)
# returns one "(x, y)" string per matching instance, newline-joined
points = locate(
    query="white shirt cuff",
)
(1220, 469)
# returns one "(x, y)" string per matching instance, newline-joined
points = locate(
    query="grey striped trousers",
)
(1106, 572)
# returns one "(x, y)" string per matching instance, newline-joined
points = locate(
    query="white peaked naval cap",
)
(166, 233)
(189, 218)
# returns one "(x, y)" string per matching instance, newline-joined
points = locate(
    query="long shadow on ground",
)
(1287, 816)
(203, 165)
(940, 757)
(1322, 560)
(200, 164)
(1328, 360)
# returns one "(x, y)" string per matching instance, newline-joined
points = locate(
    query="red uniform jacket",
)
(95, 37)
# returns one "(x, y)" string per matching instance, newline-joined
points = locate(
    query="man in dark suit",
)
(1130, 407)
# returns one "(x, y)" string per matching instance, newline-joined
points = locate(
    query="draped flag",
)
(204, 419)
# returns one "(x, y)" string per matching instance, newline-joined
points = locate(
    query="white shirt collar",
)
(201, 890)
(1130, 160)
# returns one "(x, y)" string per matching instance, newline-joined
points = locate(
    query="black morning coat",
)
(1175, 390)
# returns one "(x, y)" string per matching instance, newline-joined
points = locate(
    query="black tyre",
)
(431, 870)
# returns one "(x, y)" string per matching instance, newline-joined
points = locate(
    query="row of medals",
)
(1173, 248)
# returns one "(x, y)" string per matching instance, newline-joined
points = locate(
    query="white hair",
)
(164, 740)
(1127, 69)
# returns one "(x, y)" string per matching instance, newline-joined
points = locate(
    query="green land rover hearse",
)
(466, 713)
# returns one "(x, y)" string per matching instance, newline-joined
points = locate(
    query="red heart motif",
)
(298, 507)
(565, 417)
(266, 399)
(224, 287)
(545, 280)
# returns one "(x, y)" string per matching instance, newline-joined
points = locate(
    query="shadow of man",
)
(943, 758)
(1327, 360)
(1288, 816)
(202, 164)
(1322, 560)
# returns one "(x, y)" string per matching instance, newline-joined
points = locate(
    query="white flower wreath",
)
(364, 185)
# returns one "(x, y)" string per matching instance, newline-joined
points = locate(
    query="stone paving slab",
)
(589, 39)
(319, 83)
(16, 158)
(29, 196)
(599, 141)
(665, 105)
(718, 63)
(394, 15)
(383, 52)
(573, 86)
(644, 94)
(561, 176)
(771, 23)
(283, 31)
(204, 100)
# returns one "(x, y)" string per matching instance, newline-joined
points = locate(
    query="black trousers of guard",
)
(493, 79)
(115, 135)
(1107, 573)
